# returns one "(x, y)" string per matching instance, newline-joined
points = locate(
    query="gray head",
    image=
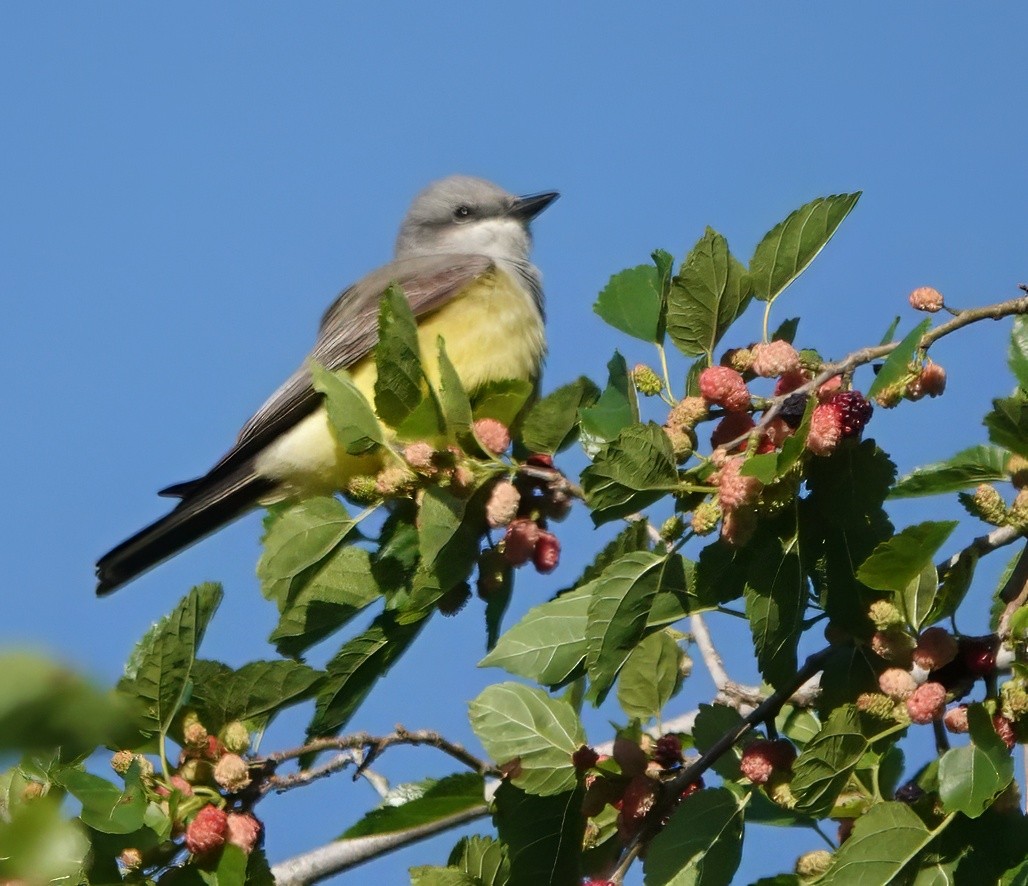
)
(461, 214)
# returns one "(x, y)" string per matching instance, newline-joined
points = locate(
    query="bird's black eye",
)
(462, 212)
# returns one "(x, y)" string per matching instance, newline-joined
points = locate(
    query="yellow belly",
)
(492, 331)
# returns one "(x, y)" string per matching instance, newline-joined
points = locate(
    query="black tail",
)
(199, 514)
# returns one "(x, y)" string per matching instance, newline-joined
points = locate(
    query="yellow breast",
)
(492, 331)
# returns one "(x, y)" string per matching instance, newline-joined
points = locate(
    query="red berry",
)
(636, 802)
(854, 410)
(1005, 730)
(546, 555)
(668, 750)
(691, 789)
(519, 541)
(978, 654)
(733, 425)
(540, 460)
(242, 830)
(206, 831)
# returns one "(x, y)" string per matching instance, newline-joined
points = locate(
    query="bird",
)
(462, 258)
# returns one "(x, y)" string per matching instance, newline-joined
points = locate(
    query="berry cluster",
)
(203, 798)
(926, 672)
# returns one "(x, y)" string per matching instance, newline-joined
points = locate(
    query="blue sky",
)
(186, 188)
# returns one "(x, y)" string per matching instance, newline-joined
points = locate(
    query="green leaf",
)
(978, 464)
(230, 869)
(44, 705)
(449, 534)
(631, 302)
(791, 245)
(890, 331)
(616, 408)
(650, 677)
(297, 540)
(713, 721)
(631, 472)
(634, 537)
(841, 522)
(897, 365)
(1008, 423)
(776, 598)
(355, 668)
(253, 693)
(701, 843)
(525, 726)
(158, 671)
(549, 642)
(453, 401)
(619, 609)
(971, 777)
(1017, 354)
(105, 806)
(38, 844)
(483, 858)
(884, 841)
(552, 422)
(786, 330)
(543, 835)
(342, 587)
(352, 420)
(827, 762)
(400, 383)
(904, 564)
(709, 292)
(429, 875)
(422, 804)
(503, 400)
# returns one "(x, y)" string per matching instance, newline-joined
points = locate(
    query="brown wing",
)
(348, 332)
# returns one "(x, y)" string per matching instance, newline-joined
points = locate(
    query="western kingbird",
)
(462, 259)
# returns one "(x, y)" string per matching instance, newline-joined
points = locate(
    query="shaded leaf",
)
(972, 776)
(429, 801)
(1008, 423)
(650, 677)
(543, 835)
(552, 422)
(503, 400)
(616, 408)
(1017, 353)
(792, 244)
(352, 420)
(400, 381)
(483, 858)
(776, 598)
(701, 843)
(105, 806)
(827, 762)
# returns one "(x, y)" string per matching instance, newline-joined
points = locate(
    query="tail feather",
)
(199, 514)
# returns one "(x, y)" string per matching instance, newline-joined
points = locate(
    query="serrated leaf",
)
(351, 419)
(897, 565)
(701, 844)
(342, 587)
(297, 540)
(354, 670)
(827, 762)
(634, 537)
(792, 244)
(972, 776)
(631, 472)
(1008, 423)
(616, 408)
(543, 835)
(400, 380)
(552, 422)
(1017, 353)
(621, 599)
(709, 292)
(978, 464)
(255, 692)
(776, 597)
(549, 642)
(631, 302)
(524, 726)
(650, 677)
(884, 841)
(158, 671)
(897, 365)
(453, 400)
(432, 801)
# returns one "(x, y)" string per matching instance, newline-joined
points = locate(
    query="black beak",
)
(526, 208)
